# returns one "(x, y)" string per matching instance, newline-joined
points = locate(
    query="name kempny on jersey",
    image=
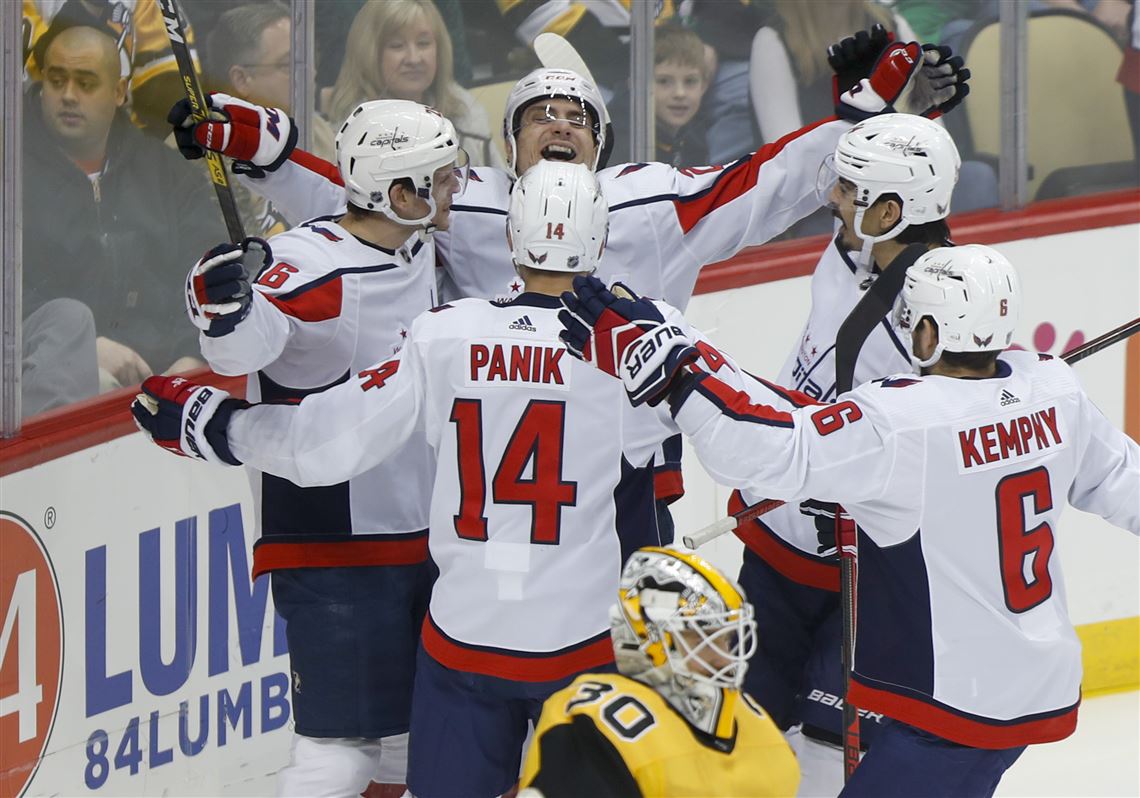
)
(1010, 439)
(508, 362)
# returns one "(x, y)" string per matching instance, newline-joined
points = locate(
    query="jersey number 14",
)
(538, 438)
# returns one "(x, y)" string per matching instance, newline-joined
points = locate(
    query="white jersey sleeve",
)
(303, 187)
(1107, 480)
(337, 434)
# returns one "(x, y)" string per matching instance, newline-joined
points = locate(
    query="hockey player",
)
(348, 560)
(673, 720)
(665, 224)
(885, 196)
(956, 478)
(543, 484)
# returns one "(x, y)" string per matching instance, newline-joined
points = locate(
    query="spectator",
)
(400, 49)
(110, 214)
(59, 365)
(680, 79)
(145, 59)
(248, 55)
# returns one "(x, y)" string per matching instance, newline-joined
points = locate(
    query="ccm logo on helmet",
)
(638, 355)
(31, 653)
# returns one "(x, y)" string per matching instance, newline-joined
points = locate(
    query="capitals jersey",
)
(327, 306)
(665, 223)
(786, 538)
(541, 488)
(957, 486)
(609, 735)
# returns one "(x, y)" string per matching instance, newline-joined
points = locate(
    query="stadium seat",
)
(1076, 108)
(493, 98)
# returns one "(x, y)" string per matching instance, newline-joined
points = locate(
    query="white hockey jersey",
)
(785, 538)
(665, 223)
(542, 487)
(329, 305)
(957, 486)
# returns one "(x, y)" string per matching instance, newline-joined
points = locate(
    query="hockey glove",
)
(258, 139)
(186, 419)
(218, 294)
(824, 515)
(942, 80)
(853, 58)
(625, 336)
(887, 88)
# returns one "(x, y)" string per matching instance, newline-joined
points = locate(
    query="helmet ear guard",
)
(385, 141)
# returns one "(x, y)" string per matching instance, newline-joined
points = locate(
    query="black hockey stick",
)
(176, 32)
(859, 324)
(1101, 341)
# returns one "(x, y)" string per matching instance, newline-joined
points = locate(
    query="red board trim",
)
(57, 433)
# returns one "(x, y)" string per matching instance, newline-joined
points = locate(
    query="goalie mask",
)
(683, 627)
(544, 84)
(384, 141)
(558, 219)
(909, 156)
(972, 295)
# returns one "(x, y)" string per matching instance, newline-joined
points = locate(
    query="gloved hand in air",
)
(218, 293)
(259, 139)
(625, 336)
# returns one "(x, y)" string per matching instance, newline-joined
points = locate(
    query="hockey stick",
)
(176, 32)
(747, 514)
(556, 53)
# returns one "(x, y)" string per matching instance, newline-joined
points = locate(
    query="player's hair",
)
(361, 77)
(236, 38)
(676, 45)
(358, 213)
(936, 233)
(809, 28)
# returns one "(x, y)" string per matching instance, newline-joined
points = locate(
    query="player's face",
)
(81, 88)
(842, 203)
(677, 92)
(709, 659)
(555, 129)
(265, 81)
(447, 181)
(408, 61)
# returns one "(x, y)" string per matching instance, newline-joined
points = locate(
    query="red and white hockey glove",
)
(853, 57)
(891, 80)
(218, 294)
(186, 419)
(625, 336)
(259, 139)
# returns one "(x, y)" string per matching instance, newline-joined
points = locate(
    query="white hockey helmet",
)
(546, 83)
(558, 219)
(902, 154)
(684, 627)
(972, 295)
(383, 141)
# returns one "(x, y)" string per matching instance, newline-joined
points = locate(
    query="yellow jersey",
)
(609, 735)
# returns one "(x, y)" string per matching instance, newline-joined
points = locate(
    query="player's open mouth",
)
(558, 152)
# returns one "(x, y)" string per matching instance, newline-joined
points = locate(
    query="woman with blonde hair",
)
(400, 49)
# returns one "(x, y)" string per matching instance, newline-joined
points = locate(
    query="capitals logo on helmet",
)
(557, 220)
(383, 141)
(972, 295)
(550, 83)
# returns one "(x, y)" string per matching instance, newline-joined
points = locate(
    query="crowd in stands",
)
(113, 218)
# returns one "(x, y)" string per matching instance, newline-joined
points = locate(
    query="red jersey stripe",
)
(785, 558)
(739, 403)
(517, 667)
(318, 165)
(972, 731)
(270, 555)
(320, 303)
(735, 181)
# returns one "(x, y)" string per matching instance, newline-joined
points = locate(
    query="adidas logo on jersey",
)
(1008, 399)
(522, 323)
